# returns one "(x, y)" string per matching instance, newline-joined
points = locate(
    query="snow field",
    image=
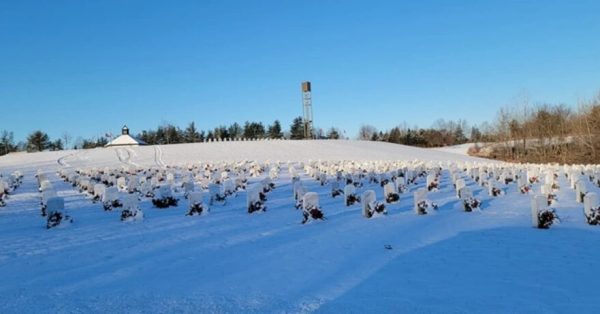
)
(232, 261)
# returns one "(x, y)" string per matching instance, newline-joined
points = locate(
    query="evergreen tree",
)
(221, 132)
(275, 130)
(395, 136)
(38, 141)
(56, 145)
(7, 143)
(148, 136)
(254, 130)
(459, 136)
(297, 129)
(191, 135)
(235, 131)
(159, 136)
(173, 134)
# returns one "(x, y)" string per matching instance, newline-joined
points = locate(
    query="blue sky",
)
(88, 67)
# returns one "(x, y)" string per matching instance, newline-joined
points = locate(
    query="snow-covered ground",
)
(230, 261)
(462, 149)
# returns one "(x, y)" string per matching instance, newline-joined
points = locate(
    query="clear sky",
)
(88, 67)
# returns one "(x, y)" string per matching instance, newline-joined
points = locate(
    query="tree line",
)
(169, 134)
(546, 133)
(442, 133)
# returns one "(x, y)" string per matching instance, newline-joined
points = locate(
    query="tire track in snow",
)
(158, 154)
(63, 159)
(120, 155)
(125, 156)
(132, 154)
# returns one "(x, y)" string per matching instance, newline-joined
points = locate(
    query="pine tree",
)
(38, 141)
(459, 136)
(275, 130)
(191, 134)
(297, 129)
(7, 143)
(221, 133)
(395, 136)
(254, 130)
(56, 145)
(235, 131)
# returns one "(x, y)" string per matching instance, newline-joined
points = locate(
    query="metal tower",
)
(307, 105)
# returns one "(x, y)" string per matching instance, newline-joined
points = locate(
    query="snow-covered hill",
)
(231, 261)
(181, 154)
(462, 149)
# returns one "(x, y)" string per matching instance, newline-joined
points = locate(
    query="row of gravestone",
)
(394, 176)
(8, 184)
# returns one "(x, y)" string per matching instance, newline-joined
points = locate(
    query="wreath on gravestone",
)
(195, 209)
(312, 212)
(525, 189)
(432, 185)
(164, 202)
(594, 217)
(496, 191)
(546, 218)
(379, 208)
(256, 206)
(471, 203)
(96, 198)
(128, 213)
(352, 198)
(220, 197)
(112, 204)
(56, 218)
(392, 198)
(376, 207)
(422, 207)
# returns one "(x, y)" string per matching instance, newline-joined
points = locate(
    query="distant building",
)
(125, 139)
